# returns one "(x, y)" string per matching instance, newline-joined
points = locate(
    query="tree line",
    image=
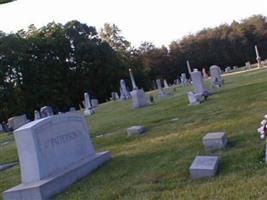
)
(54, 65)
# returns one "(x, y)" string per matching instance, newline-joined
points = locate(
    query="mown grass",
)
(155, 165)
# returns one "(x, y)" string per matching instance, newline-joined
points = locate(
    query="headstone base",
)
(88, 112)
(43, 189)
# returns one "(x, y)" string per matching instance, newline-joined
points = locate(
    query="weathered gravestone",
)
(198, 82)
(227, 70)
(17, 121)
(94, 103)
(37, 115)
(215, 75)
(138, 95)
(161, 92)
(194, 99)
(235, 68)
(214, 141)
(166, 85)
(88, 110)
(46, 111)
(247, 65)
(184, 80)
(125, 94)
(204, 166)
(53, 153)
(135, 130)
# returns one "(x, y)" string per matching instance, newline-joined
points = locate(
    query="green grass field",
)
(155, 165)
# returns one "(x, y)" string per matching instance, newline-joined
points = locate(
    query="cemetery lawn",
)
(156, 164)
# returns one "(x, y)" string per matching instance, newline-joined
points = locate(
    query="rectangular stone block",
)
(204, 166)
(135, 130)
(215, 141)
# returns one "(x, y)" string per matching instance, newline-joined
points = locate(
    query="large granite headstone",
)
(53, 153)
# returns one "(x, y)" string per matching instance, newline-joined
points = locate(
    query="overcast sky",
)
(157, 21)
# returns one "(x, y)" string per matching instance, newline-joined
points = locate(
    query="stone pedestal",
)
(215, 141)
(139, 98)
(204, 166)
(53, 152)
(135, 130)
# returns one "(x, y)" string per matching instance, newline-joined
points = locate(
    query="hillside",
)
(155, 165)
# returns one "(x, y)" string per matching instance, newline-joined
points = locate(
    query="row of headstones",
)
(200, 92)
(18, 121)
(46, 111)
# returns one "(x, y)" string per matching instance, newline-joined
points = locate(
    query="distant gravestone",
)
(204, 166)
(17, 121)
(37, 115)
(227, 69)
(214, 141)
(198, 82)
(53, 152)
(235, 68)
(258, 58)
(94, 103)
(125, 94)
(88, 110)
(46, 111)
(184, 80)
(247, 65)
(72, 109)
(165, 84)
(161, 92)
(215, 75)
(135, 130)
(138, 95)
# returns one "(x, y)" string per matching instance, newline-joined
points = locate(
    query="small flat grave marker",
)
(214, 141)
(204, 166)
(135, 130)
